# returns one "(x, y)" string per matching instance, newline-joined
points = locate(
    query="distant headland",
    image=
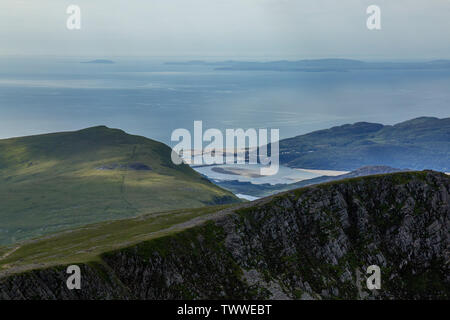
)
(99, 61)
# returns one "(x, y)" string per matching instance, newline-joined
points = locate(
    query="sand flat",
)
(332, 173)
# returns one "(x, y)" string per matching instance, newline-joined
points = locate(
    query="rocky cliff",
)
(310, 243)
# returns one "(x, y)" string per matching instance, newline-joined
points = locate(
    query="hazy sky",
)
(411, 29)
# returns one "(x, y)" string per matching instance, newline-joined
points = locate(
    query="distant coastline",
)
(99, 61)
(316, 65)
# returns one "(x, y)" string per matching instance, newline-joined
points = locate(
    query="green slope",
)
(62, 180)
(87, 243)
(417, 144)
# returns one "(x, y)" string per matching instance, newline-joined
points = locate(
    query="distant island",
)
(99, 61)
(316, 65)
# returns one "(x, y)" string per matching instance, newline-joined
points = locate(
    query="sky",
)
(265, 29)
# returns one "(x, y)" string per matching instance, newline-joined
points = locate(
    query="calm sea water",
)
(152, 99)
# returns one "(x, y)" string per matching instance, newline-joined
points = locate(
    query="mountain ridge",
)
(310, 243)
(418, 144)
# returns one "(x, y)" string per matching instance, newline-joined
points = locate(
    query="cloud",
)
(260, 28)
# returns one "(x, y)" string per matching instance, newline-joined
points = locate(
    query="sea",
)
(148, 97)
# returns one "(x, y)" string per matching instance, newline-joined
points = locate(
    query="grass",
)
(53, 182)
(87, 243)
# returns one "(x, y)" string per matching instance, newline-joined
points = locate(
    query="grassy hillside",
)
(418, 144)
(85, 244)
(62, 180)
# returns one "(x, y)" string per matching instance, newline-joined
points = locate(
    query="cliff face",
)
(311, 243)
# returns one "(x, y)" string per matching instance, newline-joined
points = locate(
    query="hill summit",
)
(61, 180)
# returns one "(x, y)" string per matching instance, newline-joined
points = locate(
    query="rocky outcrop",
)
(310, 243)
